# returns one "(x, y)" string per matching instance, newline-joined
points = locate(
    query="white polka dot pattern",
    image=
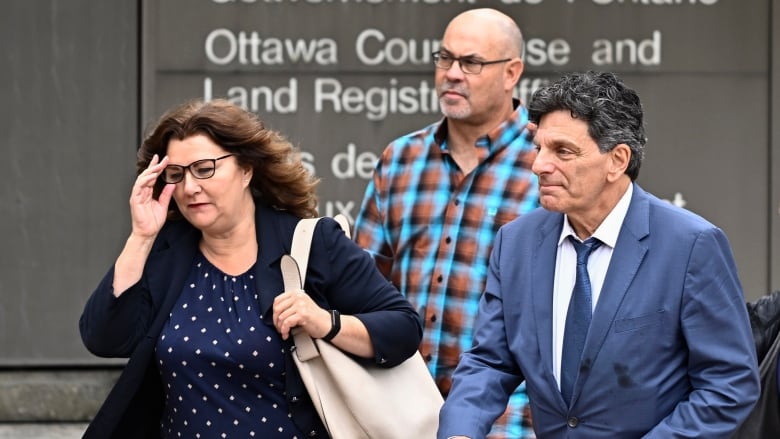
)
(219, 362)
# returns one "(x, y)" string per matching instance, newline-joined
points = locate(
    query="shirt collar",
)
(609, 229)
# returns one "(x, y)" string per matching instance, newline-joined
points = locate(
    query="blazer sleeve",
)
(487, 374)
(722, 367)
(343, 276)
(113, 326)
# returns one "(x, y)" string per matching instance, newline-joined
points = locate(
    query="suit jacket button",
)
(572, 422)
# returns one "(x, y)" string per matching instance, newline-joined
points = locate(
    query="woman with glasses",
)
(195, 299)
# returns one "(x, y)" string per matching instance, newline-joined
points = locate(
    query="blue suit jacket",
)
(340, 275)
(669, 352)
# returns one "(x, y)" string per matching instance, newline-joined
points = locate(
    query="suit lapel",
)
(168, 273)
(542, 284)
(624, 264)
(273, 241)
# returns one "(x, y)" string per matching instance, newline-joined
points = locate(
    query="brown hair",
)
(279, 178)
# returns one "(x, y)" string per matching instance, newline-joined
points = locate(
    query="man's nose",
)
(541, 164)
(455, 70)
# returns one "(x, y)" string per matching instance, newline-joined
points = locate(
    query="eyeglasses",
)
(200, 169)
(468, 64)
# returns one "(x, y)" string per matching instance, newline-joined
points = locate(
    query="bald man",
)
(438, 195)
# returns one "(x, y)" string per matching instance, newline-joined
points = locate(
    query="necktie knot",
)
(584, 248)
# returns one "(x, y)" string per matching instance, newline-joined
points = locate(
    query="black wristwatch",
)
(335, 325)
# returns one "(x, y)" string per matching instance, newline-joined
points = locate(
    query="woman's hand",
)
(147, 214)
(296, 308)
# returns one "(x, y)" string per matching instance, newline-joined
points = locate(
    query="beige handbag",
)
(355, 400)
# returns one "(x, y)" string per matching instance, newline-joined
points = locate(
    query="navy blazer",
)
(669, 353)
(340, 276)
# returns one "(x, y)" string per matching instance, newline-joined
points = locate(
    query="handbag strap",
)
(301, 246)
(294, 268)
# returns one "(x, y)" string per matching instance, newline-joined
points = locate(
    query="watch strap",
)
(335, 325)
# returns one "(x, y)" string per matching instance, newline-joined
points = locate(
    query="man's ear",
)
(514, 70)
(619, 158)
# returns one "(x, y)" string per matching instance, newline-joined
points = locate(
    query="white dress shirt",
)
(566, 270)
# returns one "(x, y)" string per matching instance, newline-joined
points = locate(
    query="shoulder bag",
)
(356, 400)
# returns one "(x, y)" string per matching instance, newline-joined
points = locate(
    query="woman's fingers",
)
(165, 196)
(154, 169)
(148, 215)
(296, 309)
(148, 177)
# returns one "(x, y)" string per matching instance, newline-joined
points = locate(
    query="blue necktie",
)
(577, 318)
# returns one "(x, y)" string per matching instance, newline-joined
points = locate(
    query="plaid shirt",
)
(431, 229)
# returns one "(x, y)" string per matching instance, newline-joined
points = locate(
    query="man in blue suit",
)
(664, 347)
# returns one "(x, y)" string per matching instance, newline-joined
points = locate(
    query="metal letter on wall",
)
(342, 78)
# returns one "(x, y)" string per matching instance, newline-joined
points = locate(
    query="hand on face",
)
(297, 309)
(147, 214)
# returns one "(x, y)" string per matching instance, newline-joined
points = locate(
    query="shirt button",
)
(433, 318)
(428, 357)
(313, 433)
(573, 422)
(448, 240)
(440, 278)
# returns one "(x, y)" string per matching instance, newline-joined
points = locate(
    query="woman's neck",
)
(234, 251)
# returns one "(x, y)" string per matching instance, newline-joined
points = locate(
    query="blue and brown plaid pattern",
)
(431, 230)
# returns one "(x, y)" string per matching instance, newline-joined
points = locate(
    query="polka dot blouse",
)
(222, 368)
